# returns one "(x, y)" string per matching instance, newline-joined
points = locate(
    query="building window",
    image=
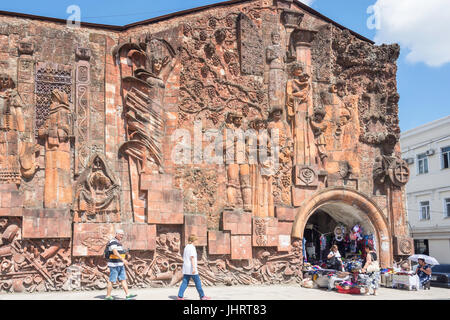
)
(447, 208)
(422, 163)
(445, 157)
(421, 247)
(425, 210)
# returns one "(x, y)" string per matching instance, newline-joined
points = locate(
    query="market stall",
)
(352, 281)
(406, 279)
(351, 243)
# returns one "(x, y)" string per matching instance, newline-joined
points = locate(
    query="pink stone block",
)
(265, 232)
(195, 224)
(219, 242)
(38, 228)
(237, 222)
(284, 236)
(241, 247)
(89, 239)
(285, 213)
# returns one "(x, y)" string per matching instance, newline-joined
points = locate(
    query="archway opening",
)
(339, 223)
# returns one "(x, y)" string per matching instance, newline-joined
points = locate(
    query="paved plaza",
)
(254, 293)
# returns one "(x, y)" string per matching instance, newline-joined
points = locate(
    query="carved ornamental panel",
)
(50, 76)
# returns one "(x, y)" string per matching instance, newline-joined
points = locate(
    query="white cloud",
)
(421, 26)
(307, 2)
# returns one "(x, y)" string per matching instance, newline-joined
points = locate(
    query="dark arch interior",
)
(319, 233)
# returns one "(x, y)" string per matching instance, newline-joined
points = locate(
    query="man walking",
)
(190, 270)
(116, 262)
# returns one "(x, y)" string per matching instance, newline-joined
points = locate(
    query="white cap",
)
(119, 231)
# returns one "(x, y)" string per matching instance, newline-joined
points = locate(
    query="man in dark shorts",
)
(116, 266)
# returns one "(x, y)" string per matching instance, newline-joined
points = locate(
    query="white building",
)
(427, 151)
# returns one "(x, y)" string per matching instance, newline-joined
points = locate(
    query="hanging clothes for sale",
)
(353, 246)
(323, 242)
(346, 243)
(323, 247)
(305, 258)
(311, 250)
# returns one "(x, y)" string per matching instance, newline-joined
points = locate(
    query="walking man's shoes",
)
(109, 298)
(131, 296)
(205, 298)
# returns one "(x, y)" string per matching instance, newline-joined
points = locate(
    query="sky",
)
(421, 27)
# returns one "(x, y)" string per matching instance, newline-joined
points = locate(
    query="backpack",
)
(106, 253)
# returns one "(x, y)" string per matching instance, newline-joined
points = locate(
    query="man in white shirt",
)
(190, 269)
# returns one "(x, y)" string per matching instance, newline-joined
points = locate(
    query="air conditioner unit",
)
(409, 160)
(429, 152)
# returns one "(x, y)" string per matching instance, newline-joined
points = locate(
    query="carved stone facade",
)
(90, 119)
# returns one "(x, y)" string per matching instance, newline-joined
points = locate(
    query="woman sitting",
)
(424, 273)
(334, 259)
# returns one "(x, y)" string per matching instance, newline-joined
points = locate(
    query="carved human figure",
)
(318, 127)
(389, 165)
(152, 61)
(275, 55)
(238, 174)
(262, 172)
(16, 147)
(343, 103)
(276, 123)
(298, 90)
(279, 127)
(97, 189)
(57, 132)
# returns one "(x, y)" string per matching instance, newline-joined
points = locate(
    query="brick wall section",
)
(237, 222)
(46, 223)
(11, 201)
(285, 213)
(241, 247)
(219, 242)
(265, 232)
(195, 224)
(89, 239)
(284, 235)
(164, 204)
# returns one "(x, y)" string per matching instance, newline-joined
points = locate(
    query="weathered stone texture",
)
(90, 119)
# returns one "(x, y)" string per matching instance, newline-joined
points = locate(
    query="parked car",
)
(440, 276)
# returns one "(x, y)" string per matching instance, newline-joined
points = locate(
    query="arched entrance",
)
(348, 206)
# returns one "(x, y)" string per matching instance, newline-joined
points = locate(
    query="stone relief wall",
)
(85, 143)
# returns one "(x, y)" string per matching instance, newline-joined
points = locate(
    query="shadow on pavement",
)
(103, 296)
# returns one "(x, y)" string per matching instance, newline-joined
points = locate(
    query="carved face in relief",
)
(259, 125)
(276, 115)
(299, 73)
(275, 38)
(340, 89)
(6, 82)
(344, 169)
(237, 120)
(158, 63)
(157, 66)
(318, 116)
(344, 117)
(98, 165)
(389, 144)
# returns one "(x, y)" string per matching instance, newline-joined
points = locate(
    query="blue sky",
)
(424, 63)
